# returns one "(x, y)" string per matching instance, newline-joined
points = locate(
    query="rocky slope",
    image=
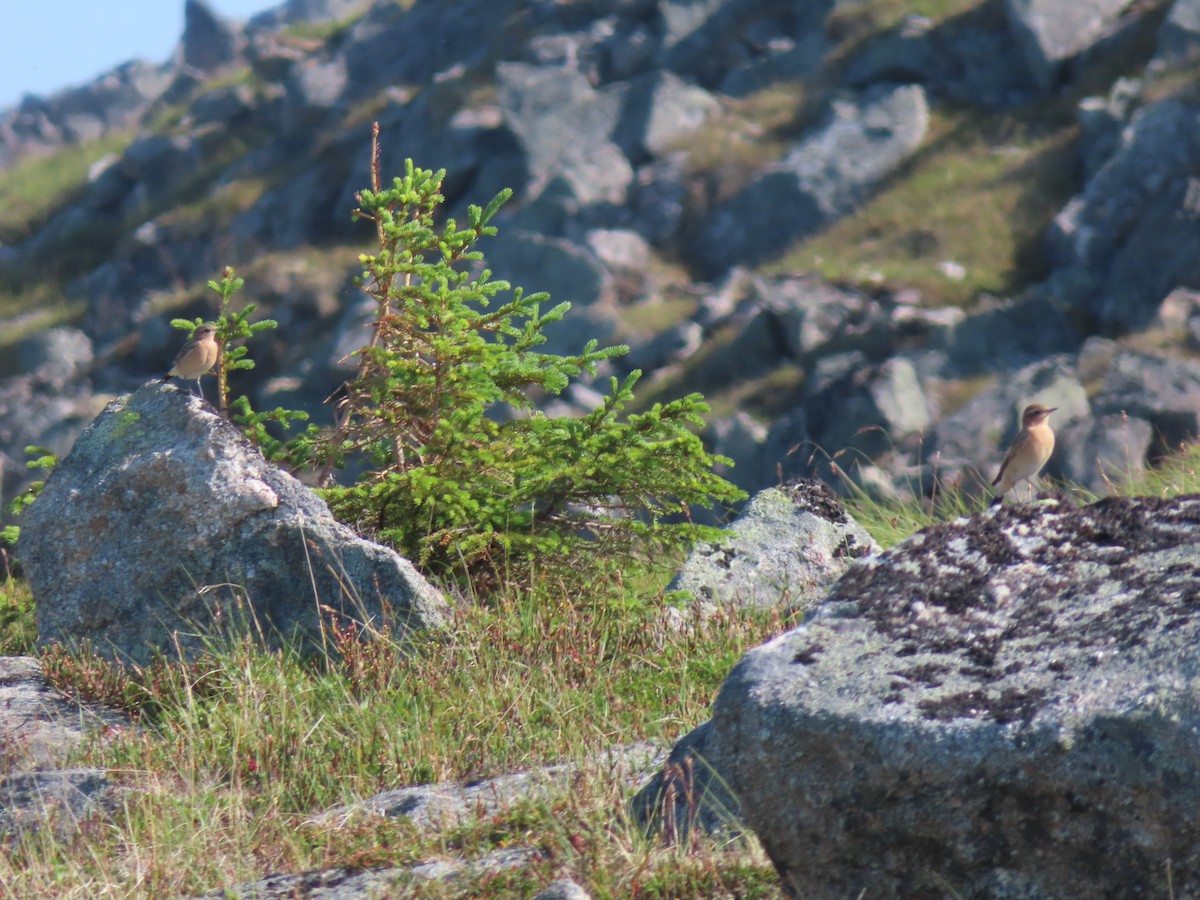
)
(858, 231)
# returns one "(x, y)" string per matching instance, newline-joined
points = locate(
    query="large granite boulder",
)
(1002, 706)
(164, 525)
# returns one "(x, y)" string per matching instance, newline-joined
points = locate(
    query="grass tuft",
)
(237, 751)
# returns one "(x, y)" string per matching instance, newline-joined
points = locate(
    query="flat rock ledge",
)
(1002, 706)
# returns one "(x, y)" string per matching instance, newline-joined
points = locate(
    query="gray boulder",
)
(313, 88)
(785, 549)
(971, 58)
(660, 112)
(999, 706)
(164, 526)
(565, 127)
(209, 41)
(55, 356)
(1002, 336)
(59, 801)
(1101, 121)
(1103, 453)
(817, 318)
(1127, 221)
(568, 272)
(1164, 392)
(736, 45)
(39, 410)
(562, 889)
(449, 805)
(39, 730)
(863, 139)
(1053, 32)
(870, 408)
(1179, 35)
(370, 884)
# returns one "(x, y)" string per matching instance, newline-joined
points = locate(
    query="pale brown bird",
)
(1029, 451)
(197, 356)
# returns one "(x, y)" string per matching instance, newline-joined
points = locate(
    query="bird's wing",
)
(1020, 442)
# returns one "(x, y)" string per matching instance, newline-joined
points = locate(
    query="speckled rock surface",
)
(164, 524)
(1003, 706)
(785, 549)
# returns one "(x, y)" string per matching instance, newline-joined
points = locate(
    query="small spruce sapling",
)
(467, 492)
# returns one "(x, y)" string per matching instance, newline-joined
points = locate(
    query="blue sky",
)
(49, 44)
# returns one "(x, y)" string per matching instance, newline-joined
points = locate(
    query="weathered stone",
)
(568, 272)
(39, 727)
(1179, 35)
(1101, 120)
(1007, 699)
(224, 105)
(178, 529)
(1052, 33)
(740, 437)
(314, 87)
(39, 730)
(820, 318)
(450, 804)
(562, 889)
(661, 112)
(55, 356)
(565, 128)
(40, 411)
(371, 884)
(1103, 454)
(113, 101)
(869, 408)
(60, 800)
(972, 57)
(209, 41)
(310, 12)
(785, 549)
(1164, 392)
(1000, 338)
(707, 40)
(1141, 198)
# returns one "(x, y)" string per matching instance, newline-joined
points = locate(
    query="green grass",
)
(33, 189)
(18, 633)
(1180, 474)
(980, 194)
(235, 752)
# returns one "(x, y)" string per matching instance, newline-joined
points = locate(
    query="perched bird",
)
(197, 356)
(1029, 451)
